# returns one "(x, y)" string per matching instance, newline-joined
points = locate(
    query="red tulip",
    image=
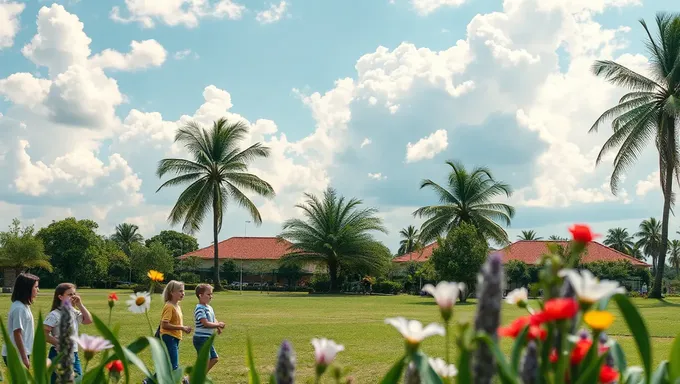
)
(581, 233)
(115, 366)
(556, 309)
(515, 328)
(113, 296)
(608, 374)
(580, 350)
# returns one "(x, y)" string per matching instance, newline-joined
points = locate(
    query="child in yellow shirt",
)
(172, 324)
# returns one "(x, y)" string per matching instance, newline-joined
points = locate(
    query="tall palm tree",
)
(468, 198)
(217, 174)
(648, 111)
(674, 255)
(649, 234)
(409, 240)
(126, 235)
(619, 239)
(557, 238)
(528, 235)
(335, 232)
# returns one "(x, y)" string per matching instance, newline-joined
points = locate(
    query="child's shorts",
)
(198, 344)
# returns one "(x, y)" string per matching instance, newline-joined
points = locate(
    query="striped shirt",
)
(203, 312)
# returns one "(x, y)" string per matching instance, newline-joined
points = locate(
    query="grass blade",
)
(253, 377)
(117, 348)
(427, 374)
(639, 330)
(161, 360)
(661, 374)
(39, 354)
(394, 374)
(200, 369)
(17, 371)
(517, 349)
(674, 369)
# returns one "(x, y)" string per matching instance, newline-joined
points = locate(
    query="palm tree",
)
(336, 232)
(21, 251)
(619, 239)
(467, 199)
(557, 238)
(648, 111)
(528, 235)
(649, 235)
(126, 235)
(217, 174)
(674, 255)
(409, 240)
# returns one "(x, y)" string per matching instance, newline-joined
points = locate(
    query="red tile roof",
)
(420, 255)
(530, 251)
(245, 248)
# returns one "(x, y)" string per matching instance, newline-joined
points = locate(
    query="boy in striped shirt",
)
(204, 317)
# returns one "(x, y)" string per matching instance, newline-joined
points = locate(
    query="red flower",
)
(536, 332)
(115, 366)
(580, 351)
(553, 356)
(113, 296)
(608, 374)
(556, 309)
(581, 233)
(515, 328)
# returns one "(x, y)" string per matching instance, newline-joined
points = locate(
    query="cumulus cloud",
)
(427, 147)
(366, 141)
(183, 54)
(9, 22)
(273, 14)
(652, 182)
(176, 12)
(425, 7)
(144, 54)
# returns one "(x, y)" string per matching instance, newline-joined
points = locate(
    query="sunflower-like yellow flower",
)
(155, 276)
(598, 320)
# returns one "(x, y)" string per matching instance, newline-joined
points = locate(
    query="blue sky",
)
(368, 97)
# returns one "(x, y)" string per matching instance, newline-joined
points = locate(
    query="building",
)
(258, 258)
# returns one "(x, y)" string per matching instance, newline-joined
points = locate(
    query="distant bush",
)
(189, 278)
(320, 283)
(388, 287)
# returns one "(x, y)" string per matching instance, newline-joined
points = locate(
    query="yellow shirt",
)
(173, 315)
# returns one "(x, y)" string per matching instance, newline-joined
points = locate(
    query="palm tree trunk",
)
(218, 283)
(661, 258)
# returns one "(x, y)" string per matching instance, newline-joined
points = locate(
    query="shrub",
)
(320, 283)
(189, 277)
(388, 287)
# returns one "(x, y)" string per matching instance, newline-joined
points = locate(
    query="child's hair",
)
(172, 286)
(60, 290)
(23, 287)
(201, 288)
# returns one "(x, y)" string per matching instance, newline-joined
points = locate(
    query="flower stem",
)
(110, 311)
(86, 364)
(447, 342)
(563, 358)
(149, 321)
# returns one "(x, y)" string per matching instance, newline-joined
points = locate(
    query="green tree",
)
(468, 198)
(648, 112)
(649, 234)
(409, 240)
(619, 239)
(127, 234)
(75, 250)
(337, 234)
(230, 270)
(217, 174)
(177, 243)
(610, 270)
(119, 262)
(674, 255)
(155, 257)
(529, 235)
(21, 251)
(557, 238)
(460, 256)
(190, 264)
(517, 272)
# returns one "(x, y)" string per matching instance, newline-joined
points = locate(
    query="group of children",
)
(20, 323)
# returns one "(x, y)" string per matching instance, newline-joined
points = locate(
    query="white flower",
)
(413, 330)
(588, 288)
(92, 344)
(139, 302)
(517, 296)
(445, 293)
(325, 350)
(443, 370)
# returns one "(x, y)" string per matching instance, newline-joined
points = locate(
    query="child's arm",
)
(48, 336)
(20, 346)
(210, 324)
(171, 327)
(87, 318)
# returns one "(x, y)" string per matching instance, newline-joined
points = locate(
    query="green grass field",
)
(355, 321)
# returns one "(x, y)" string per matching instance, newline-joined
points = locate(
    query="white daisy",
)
(443, 370)
(413, 330)
(325, 350)
(139, 302)
(518, 297)
(445, 293)
(92, 344)
(589, 289)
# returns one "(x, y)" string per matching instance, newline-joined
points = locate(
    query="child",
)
(171, 320)
(20, 318)
(204, 317)
(65, 291)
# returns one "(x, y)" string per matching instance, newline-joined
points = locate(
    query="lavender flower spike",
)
(412, 376)
(65, 368)
(285, 365)
(530, 364)
(489, 296)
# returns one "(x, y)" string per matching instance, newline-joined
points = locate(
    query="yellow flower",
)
(155, 276)
(598, 320)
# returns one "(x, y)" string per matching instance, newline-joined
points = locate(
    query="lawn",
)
(355, 321)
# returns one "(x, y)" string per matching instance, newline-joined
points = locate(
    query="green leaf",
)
(394, 374)
(425, 370)
(200, 369)
(161, 361)
(464, 374)
(94, 376)
(53, 366)
(117, 348)
(506, 374)
(17, 371)
(39, 354)
(639, 330)
(591, 373)
(633, 375)
(618, 355)
(517, 349)
(253, 377)
(674, 369)
(134, 359)
(661, 375)
(272, 379)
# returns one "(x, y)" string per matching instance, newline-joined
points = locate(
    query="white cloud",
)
(427, 147)
(651, 183)
(365, 142)
(144, 54)
(22, 88)
(183, 54)
(273, 14)
(425, 7)
(377, 176)
(176, 12)
(9, 22)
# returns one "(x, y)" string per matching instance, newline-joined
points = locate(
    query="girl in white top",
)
(80, 315)
(20, 319)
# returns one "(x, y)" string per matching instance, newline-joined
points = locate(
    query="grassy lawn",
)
(355, 321)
